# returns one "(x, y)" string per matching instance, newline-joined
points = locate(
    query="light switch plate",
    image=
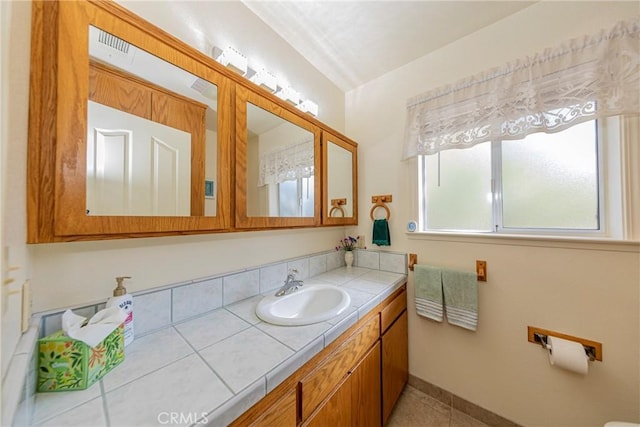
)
(26, 305)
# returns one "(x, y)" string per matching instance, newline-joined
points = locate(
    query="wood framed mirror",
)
(73, 192)
(339, 180)
(278, 162)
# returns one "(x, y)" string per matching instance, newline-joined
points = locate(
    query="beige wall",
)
(14, 66)
(587, 290)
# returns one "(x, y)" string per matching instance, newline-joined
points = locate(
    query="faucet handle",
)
(293, 271)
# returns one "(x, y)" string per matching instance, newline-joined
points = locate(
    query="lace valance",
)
(584, 79)
(287, 163)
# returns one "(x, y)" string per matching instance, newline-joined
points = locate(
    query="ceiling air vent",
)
(110, 49)
(114, 42)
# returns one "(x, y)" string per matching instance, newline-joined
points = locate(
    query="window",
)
(552, 184)
(296, 197)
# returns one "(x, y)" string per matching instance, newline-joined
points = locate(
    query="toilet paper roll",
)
(569, 355)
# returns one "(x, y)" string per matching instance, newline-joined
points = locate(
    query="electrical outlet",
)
(361, 242)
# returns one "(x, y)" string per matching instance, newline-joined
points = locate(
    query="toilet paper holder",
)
(593, 349)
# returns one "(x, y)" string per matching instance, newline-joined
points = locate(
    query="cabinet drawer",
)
(316, 386)
(392, 311)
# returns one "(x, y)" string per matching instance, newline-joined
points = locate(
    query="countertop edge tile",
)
(236, 405)
(338, 329)
(367, 307)
(278, 374)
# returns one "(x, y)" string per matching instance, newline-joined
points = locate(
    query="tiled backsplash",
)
(158, 308)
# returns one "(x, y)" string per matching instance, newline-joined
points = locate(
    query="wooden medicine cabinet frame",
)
(56, 183)
(56, 162)
(245, 96)
(327, 207)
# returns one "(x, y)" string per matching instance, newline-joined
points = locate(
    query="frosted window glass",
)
(296, 198)
(551, 180)
(288, 195)
(462, 200)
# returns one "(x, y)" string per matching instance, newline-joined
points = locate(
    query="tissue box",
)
(66, 364)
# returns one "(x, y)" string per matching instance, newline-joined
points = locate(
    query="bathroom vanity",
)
(226, 366)
(354, 381)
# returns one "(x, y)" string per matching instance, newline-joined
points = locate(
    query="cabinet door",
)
(365, 390)
(282, 414)
(316, 386)
(336, 410)
(395, 364)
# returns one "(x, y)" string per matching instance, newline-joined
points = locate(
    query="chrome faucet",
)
(290, 285)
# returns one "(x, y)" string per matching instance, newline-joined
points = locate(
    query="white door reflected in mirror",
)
(160, 182)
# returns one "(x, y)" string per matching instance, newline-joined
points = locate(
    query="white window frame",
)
(613, 223)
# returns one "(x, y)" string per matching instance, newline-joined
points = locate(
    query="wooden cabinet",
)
(349, 382)
(356, 399)
(61, 85)
(334, 411)
(395, 356)
(58, 124)
(316, 386)
(366, 389)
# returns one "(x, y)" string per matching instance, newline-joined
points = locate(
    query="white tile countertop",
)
(211, 369)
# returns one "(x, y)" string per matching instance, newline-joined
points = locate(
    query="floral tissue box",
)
(66, 364)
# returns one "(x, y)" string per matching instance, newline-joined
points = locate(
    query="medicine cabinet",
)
(277, 160)
(133, 133)
(339, 180)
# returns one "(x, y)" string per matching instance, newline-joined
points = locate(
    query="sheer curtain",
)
(287, 163)
(591, 77)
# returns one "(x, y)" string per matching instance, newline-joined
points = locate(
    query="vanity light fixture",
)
(289, 94)
(265, 79)
(234, 60)
(308, 106)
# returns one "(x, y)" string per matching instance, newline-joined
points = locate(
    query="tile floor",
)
(417, 409)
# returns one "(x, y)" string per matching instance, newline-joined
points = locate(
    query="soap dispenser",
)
(124, 301)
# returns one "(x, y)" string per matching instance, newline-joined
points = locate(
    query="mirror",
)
(280, 166)
(339, 179)
(277, 165)
(91, 104)
(149, 123)
(89, 179)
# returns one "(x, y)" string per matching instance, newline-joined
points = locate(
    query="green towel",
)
(461, 298)
(428, 291)
(381, 236)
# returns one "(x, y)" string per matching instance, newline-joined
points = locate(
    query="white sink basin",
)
(309, 304)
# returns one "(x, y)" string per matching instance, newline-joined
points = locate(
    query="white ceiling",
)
(353, 42)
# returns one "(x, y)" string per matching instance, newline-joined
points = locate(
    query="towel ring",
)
(338, 209)
(380, 205)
